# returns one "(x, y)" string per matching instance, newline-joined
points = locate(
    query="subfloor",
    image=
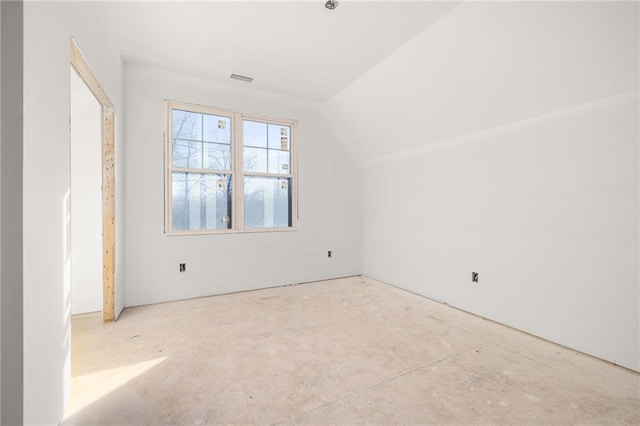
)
(346, 351)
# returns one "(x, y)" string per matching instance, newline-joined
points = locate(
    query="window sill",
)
(229, 231)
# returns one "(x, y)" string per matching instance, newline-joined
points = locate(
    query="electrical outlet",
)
(329, 253)
(474, 277)
(183, 267)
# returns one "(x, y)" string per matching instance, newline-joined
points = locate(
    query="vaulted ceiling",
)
(296, 48)
(429, 70)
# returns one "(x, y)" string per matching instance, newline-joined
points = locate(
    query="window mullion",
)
(238, 173)
(201, 171)
(270, 175)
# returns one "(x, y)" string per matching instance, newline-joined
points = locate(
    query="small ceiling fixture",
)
(331, 4)
(242, 78)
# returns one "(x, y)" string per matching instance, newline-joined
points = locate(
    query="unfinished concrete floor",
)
(345, 351)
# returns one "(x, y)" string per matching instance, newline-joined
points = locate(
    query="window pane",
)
(217, 129)
(201, 201)
(255, 160)
(279, 137)
(254, 134)
(279, 162)
(267, 202)
(187, 125)
(217, 156)
(187, 154)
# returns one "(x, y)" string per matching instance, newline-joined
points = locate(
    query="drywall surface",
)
(485, 64)
(47, 29)
(11, 243)
(329, 201)
(86, 199)
(503, 140)
(324, 42)
(1, 385)
(545, 210)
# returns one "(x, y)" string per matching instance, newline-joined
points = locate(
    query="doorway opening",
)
(85, 200)
(101, 245)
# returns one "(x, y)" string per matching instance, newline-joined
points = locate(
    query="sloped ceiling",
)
(397, 76)
(295, 48)
(484, 65)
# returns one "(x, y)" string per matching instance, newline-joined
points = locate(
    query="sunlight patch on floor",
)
(89, 388)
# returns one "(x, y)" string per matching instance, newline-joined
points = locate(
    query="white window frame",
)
(237, 172)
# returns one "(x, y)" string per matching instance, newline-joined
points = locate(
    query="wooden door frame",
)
(79, 63)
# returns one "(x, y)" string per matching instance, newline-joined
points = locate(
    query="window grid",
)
(270, 180)
(236, 171)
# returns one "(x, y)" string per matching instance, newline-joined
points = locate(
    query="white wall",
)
(47, 28)
(0, 220)
(86, 199)
(486, 64)
(545, 210)
(11, 288)
(329, 193)
(508, 145)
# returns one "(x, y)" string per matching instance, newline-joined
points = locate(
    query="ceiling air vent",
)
(242, 78)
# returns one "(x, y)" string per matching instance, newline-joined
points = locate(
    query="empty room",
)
(320, 212)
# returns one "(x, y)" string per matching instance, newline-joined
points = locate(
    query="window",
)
(227, 171)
